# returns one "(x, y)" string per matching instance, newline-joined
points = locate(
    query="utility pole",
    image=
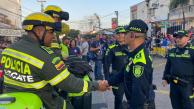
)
(42, 4)
(117, 16)
(98, 18)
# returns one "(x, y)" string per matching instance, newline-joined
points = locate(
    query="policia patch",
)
(138, 71)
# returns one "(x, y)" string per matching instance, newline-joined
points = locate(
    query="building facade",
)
(161, 18)
(10, 20)
(10, 14)
(176, 16)
(139, 11)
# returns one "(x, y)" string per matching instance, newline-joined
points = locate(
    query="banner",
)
(114, 23)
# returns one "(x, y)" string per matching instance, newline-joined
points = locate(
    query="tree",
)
(175, 3)
(73, 33)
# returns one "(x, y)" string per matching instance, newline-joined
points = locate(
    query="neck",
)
(134, 45)
(33, 37)
(182, 46)
(121, 43)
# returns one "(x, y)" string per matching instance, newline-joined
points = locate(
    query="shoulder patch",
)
(47, 49)
(140, 57)
(138, 71)
(59, 64)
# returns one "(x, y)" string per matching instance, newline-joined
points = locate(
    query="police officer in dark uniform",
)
(115, 56)
(137, 74)
(179, 72)
(29, 65)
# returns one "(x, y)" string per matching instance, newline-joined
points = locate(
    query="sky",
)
(80, 9)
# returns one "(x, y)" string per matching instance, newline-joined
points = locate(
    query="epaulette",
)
(47, 49)
(112, 46)
(140, 57)
(192, 47)
(55, 45)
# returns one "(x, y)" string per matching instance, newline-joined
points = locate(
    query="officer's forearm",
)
(166, 71)
(76, 85)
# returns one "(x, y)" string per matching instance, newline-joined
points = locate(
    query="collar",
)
(133, 53)
(30, 39)
(186, 46)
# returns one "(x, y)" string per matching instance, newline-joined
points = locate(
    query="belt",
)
(180, 81)
(189, 78)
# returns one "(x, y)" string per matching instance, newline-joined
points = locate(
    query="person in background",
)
(96, 49)
(84, 48)
(73, 49)
(192, 39)
(64, 47)
(117, 59)
(179, 72)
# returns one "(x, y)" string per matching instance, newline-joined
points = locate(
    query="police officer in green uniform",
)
(58, 15)
(115, 56)
(137, 75)
(65, 47)
(179, 72)
(79, 100)
(29, 65)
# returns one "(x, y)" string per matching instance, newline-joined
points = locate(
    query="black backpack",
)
(78, 66)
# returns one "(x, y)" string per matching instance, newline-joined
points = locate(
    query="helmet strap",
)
(41, 41)
(43, 37)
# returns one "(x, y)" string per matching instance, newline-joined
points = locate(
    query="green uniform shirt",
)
(29, 67)
(64, 51)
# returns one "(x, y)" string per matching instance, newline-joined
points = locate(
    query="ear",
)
(132, 35)
(39, 30)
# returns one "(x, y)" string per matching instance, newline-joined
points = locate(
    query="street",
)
(105, 100)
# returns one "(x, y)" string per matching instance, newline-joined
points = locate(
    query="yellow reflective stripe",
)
(150, 58)
(36, 85)
(65, 105)
(60, 77)
(86, 78)
(85, 88)
(119, 54)
(75, 94)
(24, 57)
(180, 56)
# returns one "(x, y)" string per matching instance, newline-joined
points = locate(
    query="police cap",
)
(120, 29)
(180, 34)
(137, 26)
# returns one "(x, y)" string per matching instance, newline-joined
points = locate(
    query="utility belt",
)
(183, 81)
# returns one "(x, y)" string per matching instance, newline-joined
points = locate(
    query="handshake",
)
(103, 85)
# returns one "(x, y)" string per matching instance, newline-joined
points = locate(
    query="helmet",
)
(38, 19)
(56, 11)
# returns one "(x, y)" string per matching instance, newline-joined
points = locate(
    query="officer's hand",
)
(103, 85)
(164, 83)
